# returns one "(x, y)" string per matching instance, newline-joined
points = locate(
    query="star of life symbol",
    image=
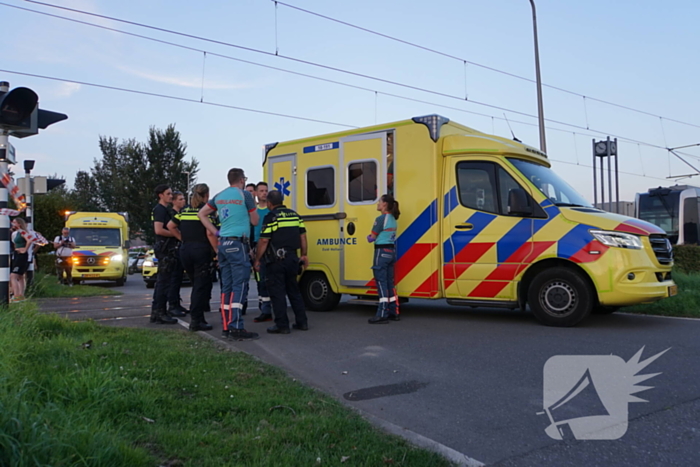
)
(586, 396)
(283, 187)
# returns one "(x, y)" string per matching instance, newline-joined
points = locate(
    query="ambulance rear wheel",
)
(317, 292)
(560, 297)
(120, 282)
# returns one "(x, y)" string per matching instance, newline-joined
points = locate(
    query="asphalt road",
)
(472, 380)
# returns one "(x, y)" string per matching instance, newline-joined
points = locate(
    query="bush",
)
(686, 258)
(46, 263)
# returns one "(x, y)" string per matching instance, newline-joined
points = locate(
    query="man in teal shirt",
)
(236, 210)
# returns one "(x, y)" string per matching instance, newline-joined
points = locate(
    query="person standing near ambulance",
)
(196, 252)
(384, 236)
(174, 301)
(236, 211)
(282, 235)
(264, 303)
(165, 240)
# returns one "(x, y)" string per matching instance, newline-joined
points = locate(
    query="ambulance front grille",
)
(662, 248)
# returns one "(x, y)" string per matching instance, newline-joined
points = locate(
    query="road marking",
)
(658, 316)
(421, 441)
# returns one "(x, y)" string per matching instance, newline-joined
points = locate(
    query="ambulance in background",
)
(484, 222)
(102, 243)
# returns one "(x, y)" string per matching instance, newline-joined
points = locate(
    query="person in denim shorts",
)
(235, 208)
(384, 236)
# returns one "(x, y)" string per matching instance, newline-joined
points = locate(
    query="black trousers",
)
(196, 258)
(281, 277)
(166, 265)
(64, 265)
(176, 281)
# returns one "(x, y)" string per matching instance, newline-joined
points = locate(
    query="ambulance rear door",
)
(281, 176)
(363, 181)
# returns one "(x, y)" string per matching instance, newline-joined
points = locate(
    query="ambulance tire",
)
(76, 281)
(560, 297)
(120, 282)
(317, 292)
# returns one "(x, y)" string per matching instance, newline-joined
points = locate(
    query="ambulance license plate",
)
(91, 275)
(672, 290)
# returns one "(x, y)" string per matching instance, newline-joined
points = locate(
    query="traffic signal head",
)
(16, 109)
(20, 114)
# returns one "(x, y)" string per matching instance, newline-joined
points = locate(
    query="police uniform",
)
(164, 250)
(264, 303)
(283, 228)
(174, 300)
(196, 255)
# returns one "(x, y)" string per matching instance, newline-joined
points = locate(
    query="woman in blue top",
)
(384, 235)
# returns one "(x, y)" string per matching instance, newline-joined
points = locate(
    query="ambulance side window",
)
(476, 183)
(320, 187)
(362, 182)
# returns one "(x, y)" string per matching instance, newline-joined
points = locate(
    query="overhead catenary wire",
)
(620, 137)
(195, 101)
(177, 98)
(461, 59)
(306, 62)
(600, 132)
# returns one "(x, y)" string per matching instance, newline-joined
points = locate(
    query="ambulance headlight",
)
(148, 263)
(617, 239)
(117, 258)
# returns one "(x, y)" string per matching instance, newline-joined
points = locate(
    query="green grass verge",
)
(78, 394)
(685, 304)
(47, 286)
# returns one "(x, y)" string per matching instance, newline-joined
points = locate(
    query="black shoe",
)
(378, 320)
(163, 318)
(394, 318)
(200, 326)
(277, 330)
(262, 318)
(177, 310)
(242, 335)
(300, 327)
(224, 334)
(154, 316)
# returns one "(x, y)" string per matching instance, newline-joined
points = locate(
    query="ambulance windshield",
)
(549, 183)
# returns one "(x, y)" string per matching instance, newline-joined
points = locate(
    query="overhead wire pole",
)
(540, 106)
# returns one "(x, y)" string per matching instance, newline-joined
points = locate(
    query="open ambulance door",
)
(363, 180)
(281, 174)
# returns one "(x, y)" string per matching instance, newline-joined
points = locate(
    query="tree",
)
(125, 178)
(50, 208)
(85, 192)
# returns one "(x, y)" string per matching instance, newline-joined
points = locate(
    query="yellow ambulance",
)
(102, 242)
(484, 222)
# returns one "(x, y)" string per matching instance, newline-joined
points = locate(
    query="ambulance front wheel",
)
(317, 292)
(560, 296)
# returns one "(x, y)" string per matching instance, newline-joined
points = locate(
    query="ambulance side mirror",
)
(518, 203)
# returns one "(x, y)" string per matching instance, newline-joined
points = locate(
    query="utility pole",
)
(540, 105)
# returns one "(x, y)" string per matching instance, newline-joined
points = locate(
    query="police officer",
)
(283, 233)
(196, 253)
(236, 211)
(174, 301)
(165, 241)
